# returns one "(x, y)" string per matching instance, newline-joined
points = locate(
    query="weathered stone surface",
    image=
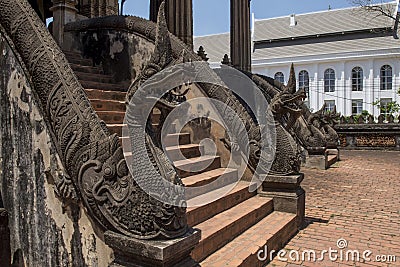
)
(43, 233)
(119, 53)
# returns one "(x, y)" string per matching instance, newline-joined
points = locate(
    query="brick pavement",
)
(358, 200)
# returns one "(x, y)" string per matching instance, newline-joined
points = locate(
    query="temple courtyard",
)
(353, 206)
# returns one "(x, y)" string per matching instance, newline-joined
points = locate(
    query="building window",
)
(386, 77)
(329, 105)
(280, 77)
(329, 80)
(384, 106)
(357, 106)
(357, 76)
(304, 81)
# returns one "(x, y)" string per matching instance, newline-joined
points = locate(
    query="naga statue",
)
(325, 121)
(306, 134)
(96, 171)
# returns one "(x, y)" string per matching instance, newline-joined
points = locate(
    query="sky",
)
(212, 16)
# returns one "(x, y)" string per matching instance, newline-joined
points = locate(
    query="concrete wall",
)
(46, 230)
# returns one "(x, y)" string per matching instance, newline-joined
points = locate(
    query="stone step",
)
(112, 117)
(80, 61)
(176, 139)
(108, 105)
(272, 232)
(197, 215)
(115, 128)
(86, 69)
(83, 76)
(155, 117)
(72, 54)
(187, 167)
(104, 86)
(167, 128)
(95, 94)
(224, 227)
(203, 183)
(181, 152)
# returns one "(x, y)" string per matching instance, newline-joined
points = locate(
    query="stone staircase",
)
(234, 227)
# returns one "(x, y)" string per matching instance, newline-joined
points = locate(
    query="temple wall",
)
(120, 54)
(47, 232)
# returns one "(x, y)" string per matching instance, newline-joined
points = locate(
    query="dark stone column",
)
(240, 34)
(154, 6)
(180, 19)
(179, 15)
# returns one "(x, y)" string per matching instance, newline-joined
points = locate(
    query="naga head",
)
(287, 104)
(324, 121)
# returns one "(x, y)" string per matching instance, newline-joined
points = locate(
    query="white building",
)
(344, 57)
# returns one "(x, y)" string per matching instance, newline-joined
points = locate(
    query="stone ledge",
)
(135, 252)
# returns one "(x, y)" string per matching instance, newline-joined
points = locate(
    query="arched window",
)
(280, 77)
(304, 81)
(357, 76)
(386, 77)
(329, 80)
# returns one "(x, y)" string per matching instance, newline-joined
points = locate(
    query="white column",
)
(341, 88)
(369, 86)
(315, 92)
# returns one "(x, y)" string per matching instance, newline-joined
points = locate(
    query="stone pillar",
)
(64, 11)
(98, 8)
(179, 15)
(240, 34)
(180, 19)
(154, 6)
(287, 194)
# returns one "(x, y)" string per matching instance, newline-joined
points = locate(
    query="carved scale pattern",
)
(92, 157)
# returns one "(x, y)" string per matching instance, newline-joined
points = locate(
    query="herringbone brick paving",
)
(358, 200)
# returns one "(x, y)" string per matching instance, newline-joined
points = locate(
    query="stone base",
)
(287, 194)
(317, 162)
(131, 252)
(334, 151)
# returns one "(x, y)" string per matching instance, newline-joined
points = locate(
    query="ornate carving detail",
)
(375, 140)
(91, 156)
(307, 135)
